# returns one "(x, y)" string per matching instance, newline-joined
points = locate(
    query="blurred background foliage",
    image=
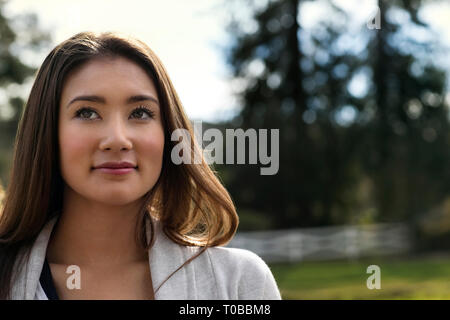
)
(20, 37)
(363, 117)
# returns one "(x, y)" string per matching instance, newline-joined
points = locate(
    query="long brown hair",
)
(188, 199)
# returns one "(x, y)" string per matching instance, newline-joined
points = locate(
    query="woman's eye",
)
(85, 112)
(140, 111)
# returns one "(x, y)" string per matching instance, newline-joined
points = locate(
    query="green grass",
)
(412, 278)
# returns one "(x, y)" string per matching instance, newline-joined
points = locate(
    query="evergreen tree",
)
(16, 34)
(407, 146)
(341, 152)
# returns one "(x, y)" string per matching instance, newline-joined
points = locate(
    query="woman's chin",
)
(115, 198)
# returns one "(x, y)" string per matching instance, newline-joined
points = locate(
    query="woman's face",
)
(109, 112)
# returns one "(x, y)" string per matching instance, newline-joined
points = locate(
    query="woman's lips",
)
(116, 171)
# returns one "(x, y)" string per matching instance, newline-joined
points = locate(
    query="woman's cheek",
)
(150, 154)
(75, 148)
(153, 144)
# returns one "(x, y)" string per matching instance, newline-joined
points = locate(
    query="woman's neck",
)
(94, 234)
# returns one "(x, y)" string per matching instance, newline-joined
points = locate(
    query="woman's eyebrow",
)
(142, 97)
(132, 99)
(91, 98)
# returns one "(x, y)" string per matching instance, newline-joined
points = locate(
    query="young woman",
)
(96, 209)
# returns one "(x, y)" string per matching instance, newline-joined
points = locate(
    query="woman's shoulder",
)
(250, 273)
(241, 262)
(237, 258)
(228, 273)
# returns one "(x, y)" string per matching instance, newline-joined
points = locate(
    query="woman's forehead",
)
(116, 76)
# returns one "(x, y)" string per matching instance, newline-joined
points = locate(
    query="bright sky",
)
(184, 34)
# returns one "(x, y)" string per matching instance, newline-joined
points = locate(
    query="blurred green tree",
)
(18, 35)
(406, 147)
(363, 126)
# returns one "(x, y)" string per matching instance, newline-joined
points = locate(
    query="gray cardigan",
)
(217, 274)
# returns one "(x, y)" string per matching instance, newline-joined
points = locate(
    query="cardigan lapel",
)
(165, 257)
(25, 286)
(195, 280)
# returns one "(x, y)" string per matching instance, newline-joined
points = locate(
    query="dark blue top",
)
(46, 281)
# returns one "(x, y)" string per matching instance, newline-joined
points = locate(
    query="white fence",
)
(325, 243)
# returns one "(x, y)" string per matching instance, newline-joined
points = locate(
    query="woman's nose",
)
(116, 136)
